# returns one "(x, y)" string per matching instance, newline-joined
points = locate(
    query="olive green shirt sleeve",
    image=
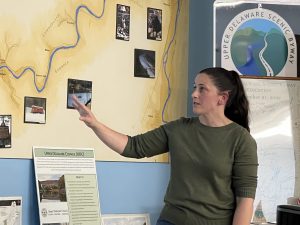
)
(244, 176)
(151, 143)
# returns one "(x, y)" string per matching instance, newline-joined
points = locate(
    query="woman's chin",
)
(196, 111)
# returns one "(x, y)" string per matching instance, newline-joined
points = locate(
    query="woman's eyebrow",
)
(200, 84)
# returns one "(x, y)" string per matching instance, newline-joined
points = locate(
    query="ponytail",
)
(237, 107)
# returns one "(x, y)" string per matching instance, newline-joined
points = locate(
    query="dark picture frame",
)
(83, 91)
(34, 110)
(5, 131)
(123, 22)
(144, 63)
(154, 24)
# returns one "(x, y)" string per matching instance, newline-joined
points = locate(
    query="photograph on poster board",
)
(144, 63)
(83, 91)
(258, 40)
(11, 210)
(123, 22)
(126, 219)
(34, 110)
(51, 188)
(154, 24)
(67, 186)
(5, 131)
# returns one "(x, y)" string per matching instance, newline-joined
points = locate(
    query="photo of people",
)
(122, 22)
(52, 188)
(83, 91)
(154, 24)
(144, 63)
(34, 110)
(5, 131)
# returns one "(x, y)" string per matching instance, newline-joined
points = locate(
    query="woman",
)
(213, 156)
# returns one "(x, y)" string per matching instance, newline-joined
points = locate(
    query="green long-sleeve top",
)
(210, 167)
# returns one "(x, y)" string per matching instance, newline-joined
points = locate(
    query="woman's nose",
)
(194, 93)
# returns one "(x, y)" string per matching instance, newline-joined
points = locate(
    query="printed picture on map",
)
(144, 63)
(5, 131)
(34, 110)
(83, 91)
(154, 24)
(122, 22)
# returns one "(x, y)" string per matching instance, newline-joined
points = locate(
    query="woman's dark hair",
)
(237, 107)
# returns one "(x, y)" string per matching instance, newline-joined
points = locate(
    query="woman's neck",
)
(214, 121)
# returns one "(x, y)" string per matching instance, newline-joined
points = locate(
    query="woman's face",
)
(206, 97)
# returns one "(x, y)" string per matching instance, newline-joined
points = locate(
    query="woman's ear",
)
(223, 98)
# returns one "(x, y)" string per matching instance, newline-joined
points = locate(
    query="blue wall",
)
(200, 41)
(124, 187)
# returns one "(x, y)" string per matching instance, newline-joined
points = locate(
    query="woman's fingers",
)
(85, 113)
(76, 102)
(78, 105)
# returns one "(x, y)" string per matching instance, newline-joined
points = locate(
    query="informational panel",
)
(67, 186)
(126, 60)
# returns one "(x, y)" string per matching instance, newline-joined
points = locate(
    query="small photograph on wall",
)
(5, 131)
(82, 89)
(122, 22)
(125, 219)
(144, 63)
(34, 110)
(154, 24)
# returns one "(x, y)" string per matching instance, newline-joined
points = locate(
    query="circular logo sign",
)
(259, 42)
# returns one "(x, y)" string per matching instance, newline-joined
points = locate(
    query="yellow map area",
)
(44, 43)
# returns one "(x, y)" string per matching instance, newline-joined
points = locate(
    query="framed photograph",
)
(5, 131)
(123, 22)
(11, 210)
(144, 63)
(126, 219)
(258, 40)
(83, 91)
(34, 110)
(154, 24)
